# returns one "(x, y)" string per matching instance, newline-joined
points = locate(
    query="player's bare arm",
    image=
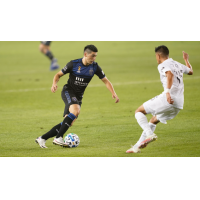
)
(170, 77)
(55, 81)
(186, 59)
(110, 88)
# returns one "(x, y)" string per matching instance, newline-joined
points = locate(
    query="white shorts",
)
(159, 107)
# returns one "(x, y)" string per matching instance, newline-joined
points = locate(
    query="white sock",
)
(152, 126)
(143, 136)
(143, 122)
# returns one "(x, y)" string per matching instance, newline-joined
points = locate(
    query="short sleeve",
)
(99, 72)
(68, 68)
(186, 69)
(164, 68)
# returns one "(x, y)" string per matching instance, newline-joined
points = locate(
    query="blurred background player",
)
(81, 73)
(45, 49)
(166, 105)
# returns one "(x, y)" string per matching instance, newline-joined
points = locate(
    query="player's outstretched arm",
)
(186, 59)
(170, 77)
(110, 88)
(55, 81)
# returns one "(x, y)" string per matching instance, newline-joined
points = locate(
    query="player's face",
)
(90, 57)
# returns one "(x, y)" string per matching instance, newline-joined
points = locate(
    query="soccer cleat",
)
(41, 142)
(148, 139)
(133, 149)
(59, 141)
(54, 64)
(141, 146)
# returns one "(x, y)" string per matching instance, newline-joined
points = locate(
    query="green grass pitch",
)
(29, 109)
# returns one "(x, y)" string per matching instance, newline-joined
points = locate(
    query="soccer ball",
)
(72, 140)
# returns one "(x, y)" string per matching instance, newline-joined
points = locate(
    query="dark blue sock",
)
(66, 124)
(49, 55)
(52, 133)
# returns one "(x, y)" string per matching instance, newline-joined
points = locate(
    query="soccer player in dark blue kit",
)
(45, 49)
(81, 72)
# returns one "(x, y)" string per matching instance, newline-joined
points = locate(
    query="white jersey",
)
(177, 88)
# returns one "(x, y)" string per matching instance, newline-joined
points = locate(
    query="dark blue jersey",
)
(81, 75)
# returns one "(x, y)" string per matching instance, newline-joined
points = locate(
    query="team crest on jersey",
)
(91, 71)
(74, 98)
(79, 69)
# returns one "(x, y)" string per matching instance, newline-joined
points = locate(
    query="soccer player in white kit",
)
(166, 105)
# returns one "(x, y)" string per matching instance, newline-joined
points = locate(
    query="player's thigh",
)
(72, 104)
(157, 105)
(169, 114)
(141, 109)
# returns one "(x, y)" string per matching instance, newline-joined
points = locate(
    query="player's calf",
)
(65, 125)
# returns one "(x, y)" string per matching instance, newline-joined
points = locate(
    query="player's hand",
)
(185, 56)
(115, 96)
(169, 99)
(54, 88)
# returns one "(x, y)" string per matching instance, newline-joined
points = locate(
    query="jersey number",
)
(178, 74)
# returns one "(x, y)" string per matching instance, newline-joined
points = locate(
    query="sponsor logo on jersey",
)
(79, 79)
(80, 82)
(79, 69)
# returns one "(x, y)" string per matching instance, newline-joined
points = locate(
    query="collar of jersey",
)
(169, 59)
(85, 65)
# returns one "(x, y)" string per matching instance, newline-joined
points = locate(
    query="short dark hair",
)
(90, 48)
(163, 50)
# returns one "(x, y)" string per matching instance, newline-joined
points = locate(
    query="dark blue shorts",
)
(69, 98)
(47, 43)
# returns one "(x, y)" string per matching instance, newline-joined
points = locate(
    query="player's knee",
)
(136, 110)
(74, 109)
(41, 47)
(140, 109)
(76, 112)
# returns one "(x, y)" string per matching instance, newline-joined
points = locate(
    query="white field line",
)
(96, 85)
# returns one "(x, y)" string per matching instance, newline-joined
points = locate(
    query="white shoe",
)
(147, 140)
(41, 142)
(133, 149)
(59, 141)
